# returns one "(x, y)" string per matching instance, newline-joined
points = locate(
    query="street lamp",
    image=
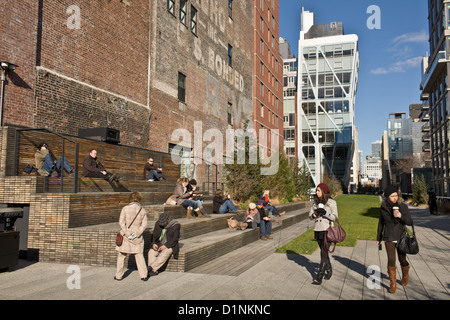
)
(5, 67)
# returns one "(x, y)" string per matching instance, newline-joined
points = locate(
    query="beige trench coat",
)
(138, 227)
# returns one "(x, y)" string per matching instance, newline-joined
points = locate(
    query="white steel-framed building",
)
(328, 68)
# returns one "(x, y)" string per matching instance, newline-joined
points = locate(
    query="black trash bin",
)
(9, 249)
(9, 238)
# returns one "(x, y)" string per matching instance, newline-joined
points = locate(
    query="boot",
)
(328, 271)
(392, 271)
(320, 273)
(201, 212)
(405, 275)
(189, 213)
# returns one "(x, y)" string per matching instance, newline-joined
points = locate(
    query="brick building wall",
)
(116, 65)
(268, 70)
(81, 65)
(18, 27)
(213, 86)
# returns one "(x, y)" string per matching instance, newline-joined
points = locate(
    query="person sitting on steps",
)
(92, 168)
(152, 172)
(45, 164)
(223, 205)
(181, 196)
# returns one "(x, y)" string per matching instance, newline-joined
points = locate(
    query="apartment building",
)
(328, 77)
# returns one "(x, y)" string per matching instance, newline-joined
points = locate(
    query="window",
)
(193, 20)
(181, 87)
(230, 55)
(171, 6)
(262, 111)
(230, 8)
(183, 11)
(230, 106)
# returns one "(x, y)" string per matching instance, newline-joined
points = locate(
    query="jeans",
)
(227, 205)
(155, 175)
(265, 228)
(190, 203)
(49, 166)
(273, 210)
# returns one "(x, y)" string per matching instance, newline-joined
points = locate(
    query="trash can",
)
(9, 249)
(9, 237)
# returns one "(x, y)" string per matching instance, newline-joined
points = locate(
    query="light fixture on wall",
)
(5, 68)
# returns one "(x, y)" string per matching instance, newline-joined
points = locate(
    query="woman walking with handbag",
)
(323, 211)
(394, 216)
(133, 222)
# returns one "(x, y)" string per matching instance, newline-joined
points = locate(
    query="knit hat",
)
(324, 188)
(252, 206)
(389, 190)
(163, 219)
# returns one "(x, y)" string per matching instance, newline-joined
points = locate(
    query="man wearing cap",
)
(164, 243)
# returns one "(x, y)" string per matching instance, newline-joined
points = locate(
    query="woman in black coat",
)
(394, 216)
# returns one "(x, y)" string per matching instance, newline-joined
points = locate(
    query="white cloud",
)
(409, 37)
(400, 66)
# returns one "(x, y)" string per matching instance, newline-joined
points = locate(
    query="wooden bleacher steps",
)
(80, 227)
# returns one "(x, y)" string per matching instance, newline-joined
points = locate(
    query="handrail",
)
(63, 138)
(208, 163)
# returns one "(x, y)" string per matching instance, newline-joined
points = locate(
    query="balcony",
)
(426, 137)
(433, 72)
(426, 147)
(426, 128)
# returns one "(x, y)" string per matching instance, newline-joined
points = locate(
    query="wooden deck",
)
(257, 273)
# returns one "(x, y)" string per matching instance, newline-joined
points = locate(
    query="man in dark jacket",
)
(152, 172)
(164, 243)
(92, 168)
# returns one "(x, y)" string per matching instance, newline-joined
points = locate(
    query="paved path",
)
(275, 277)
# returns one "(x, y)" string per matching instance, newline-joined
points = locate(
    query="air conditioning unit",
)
(100, 134)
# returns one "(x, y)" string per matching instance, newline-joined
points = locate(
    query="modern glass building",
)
(434, 86)
(328, 66)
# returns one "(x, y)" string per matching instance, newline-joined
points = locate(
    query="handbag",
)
(119, 236)
(171, 201)
(335, 234)
(232, 222)
(407, 244)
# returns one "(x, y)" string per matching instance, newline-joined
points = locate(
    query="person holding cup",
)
(324, 211)
(394, 216)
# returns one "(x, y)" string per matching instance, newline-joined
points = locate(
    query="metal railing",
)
(63, 139)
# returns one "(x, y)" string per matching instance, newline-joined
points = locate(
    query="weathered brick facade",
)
(116, 65)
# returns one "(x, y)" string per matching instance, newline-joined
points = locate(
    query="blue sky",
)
(390, 57)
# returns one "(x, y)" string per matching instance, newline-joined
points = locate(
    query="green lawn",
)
(358, 215)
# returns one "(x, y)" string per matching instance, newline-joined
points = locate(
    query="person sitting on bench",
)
(45, 164)
(152, 172)
(92, 168)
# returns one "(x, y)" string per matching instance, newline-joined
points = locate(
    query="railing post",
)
(75, 184)
(61, 168)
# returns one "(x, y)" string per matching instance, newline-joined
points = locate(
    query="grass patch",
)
(358, 215)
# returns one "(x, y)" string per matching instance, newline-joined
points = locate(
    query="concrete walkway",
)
(359, 273)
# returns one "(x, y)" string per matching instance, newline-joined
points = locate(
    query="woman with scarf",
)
(251, 218)
(394, 216)
(324, 212)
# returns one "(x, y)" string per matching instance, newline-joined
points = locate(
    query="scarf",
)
(162, 238)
